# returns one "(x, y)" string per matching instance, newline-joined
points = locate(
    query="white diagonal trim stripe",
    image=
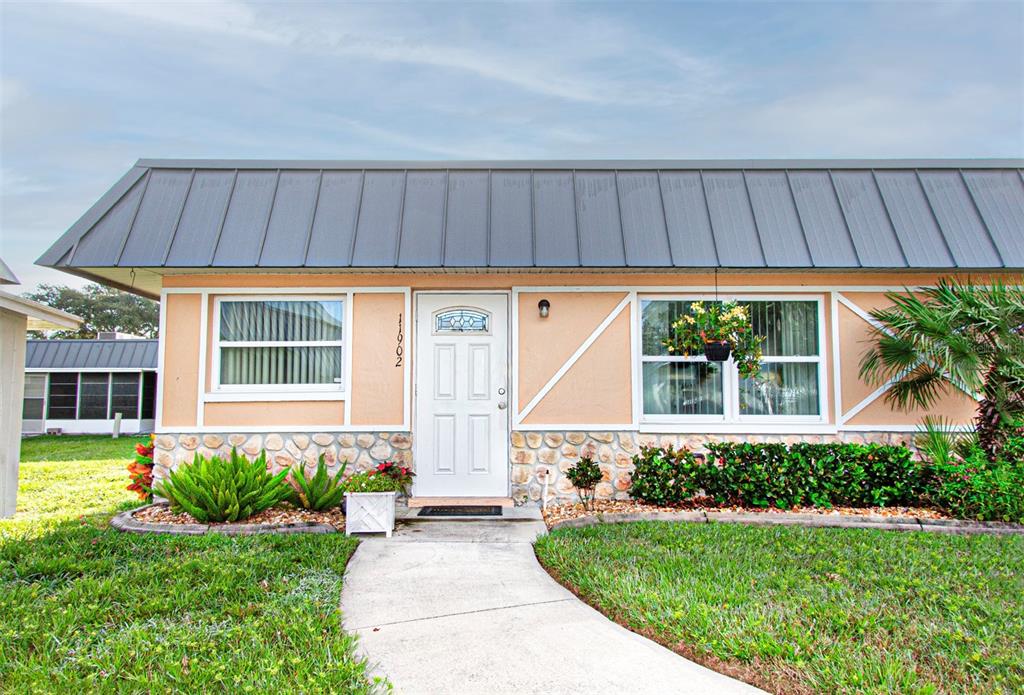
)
(591, 339)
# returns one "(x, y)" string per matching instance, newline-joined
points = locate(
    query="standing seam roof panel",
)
(466, 229)
(153, 230)
(334, 221)
(873, 235)
(964, 231)
(777, 220)
(511, 219)
(1000, 199)
(248, 213)
(555, 212)
(600, 230)
(290, 219)
(822, 220)
(200, 221)
(732, 221)
(380, 214)
(686, 215)
(423, 222)
(643, 220)
(912, 219)
(109, 233)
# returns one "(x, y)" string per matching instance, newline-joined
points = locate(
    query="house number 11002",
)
(399, 349)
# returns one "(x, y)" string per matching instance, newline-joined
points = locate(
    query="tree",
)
(954, 335)
(101, 309)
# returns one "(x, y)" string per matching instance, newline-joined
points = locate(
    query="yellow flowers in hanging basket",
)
(718, 331)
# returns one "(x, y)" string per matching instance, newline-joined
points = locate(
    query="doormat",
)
(461, 511)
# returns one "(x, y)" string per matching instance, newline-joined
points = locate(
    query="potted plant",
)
(718, 331)
(370, 498)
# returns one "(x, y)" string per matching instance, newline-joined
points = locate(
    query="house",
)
(17, 316)
(491, 322)
(80, 386)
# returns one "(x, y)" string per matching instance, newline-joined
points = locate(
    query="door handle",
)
(502, 405)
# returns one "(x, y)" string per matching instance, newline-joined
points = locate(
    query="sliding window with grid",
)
(279, 344)
(690, 389)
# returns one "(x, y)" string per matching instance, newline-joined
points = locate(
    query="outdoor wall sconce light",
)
(545, 307)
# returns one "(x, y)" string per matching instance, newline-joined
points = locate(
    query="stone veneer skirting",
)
(363, 450)
(540, 456)
(536, 457)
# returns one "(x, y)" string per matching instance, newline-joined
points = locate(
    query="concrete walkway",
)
(464, 607)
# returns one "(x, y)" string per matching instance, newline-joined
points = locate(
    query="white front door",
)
(461, 424)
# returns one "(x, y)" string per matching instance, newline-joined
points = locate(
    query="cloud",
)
(548, 67)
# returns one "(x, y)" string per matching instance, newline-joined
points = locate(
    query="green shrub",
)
(371, 481)
(319, 492)
(219, 489)
(818, 475)
(665, 476)
(776, 475)
(585, 476)
(970, 486)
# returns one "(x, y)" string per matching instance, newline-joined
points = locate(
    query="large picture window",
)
(274, 344)
(681, 388)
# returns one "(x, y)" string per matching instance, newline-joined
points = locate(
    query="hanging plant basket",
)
(717, 350)
(721, 331)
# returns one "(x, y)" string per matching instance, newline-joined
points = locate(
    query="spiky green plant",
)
(957, 335)
(941, 441)
(321, 490)
(224, 489)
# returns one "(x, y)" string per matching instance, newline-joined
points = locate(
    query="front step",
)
(460, 502)
(525, 513)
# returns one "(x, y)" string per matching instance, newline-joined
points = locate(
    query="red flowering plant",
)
(141, 471)
(402, 475)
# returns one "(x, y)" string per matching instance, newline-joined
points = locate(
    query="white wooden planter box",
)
(370, 512)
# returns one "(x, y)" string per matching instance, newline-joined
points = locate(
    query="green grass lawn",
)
(819, 610)
(87, 609)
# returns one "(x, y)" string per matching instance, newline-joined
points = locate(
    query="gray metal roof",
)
(91, 354)
(921, 214)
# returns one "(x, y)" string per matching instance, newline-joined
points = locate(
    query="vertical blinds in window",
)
(269, 342)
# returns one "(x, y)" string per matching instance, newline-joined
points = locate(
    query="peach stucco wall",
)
(546, 343)
(275, 414)
(596, 390)
(180, 377)
(377, 379)
(374, 376)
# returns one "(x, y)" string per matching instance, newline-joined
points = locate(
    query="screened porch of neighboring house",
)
(82, 386)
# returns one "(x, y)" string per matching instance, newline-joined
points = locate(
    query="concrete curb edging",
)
(895, 523)
(127, 523)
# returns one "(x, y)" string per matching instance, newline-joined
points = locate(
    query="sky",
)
(87, 88)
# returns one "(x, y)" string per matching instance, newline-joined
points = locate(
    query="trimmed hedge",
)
(776, 475)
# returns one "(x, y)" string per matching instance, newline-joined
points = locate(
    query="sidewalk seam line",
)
(449, 615)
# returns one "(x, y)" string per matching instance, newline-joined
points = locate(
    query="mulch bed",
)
(554, 514)
(161, 514)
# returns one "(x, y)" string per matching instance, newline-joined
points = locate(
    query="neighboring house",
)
(17, 316)
(394, 310)
(78, 386)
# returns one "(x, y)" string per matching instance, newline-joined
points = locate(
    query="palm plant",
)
(955, 334)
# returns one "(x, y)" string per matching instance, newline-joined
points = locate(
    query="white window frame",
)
(730, 375)
(249, 391)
